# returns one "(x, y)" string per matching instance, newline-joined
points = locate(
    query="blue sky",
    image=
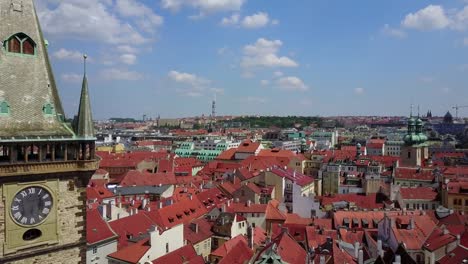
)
(172, 57)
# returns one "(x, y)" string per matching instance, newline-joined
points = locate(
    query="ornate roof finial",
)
(411, 110)
(418, 111)
(84, 62)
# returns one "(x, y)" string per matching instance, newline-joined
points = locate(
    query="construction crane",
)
(456, 107)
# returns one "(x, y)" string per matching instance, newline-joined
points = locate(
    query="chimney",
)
(445, 232)
(144, 202)
(160, 204)
(322, 259)
(458, 239)
(356, 249)
(397, 259)
(190, 196)
(379, 248)
(411, 223)
(223, 208)
(249, 203)
(228, 202)
(361, 257)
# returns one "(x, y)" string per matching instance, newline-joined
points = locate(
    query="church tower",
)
(45, 165)
(415, 149)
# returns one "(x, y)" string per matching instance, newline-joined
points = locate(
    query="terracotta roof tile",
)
(96, 228)
(180, 256)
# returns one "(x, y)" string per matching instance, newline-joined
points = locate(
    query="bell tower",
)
(45, 165)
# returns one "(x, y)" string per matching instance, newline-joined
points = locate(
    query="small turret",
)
(84, 125)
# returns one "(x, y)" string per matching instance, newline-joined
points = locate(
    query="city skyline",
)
(171, 58)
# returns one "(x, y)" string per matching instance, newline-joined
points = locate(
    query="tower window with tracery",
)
(20, 43)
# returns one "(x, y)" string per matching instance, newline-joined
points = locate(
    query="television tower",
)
(213, 113)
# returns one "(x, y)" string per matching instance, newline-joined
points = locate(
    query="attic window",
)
(179, 216)
(187, 212)
(192, 210)
(4, 108)
(20, 43)
(171, 220)
(48, 109)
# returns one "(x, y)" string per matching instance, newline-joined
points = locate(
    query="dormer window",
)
(48, 109)
(4, 108)
(20, 43)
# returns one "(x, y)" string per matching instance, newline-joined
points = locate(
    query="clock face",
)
(31, 206)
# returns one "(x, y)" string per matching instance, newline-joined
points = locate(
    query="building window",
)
(20, 43)
(4, 108)
(94, 250)
(48, 109)
(167, 247)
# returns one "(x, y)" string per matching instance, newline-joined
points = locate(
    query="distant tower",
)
(213, 114)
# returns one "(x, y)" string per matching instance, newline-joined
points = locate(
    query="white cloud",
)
(393, 32)
(204, 6)
(291, 83)
(460, 20)
(88, 20)
(71, 77)
(257, 20)
(429, 18)
(254, 21)
(263, 53)
(147, 20)
(193, 85)
(278, 74)
(359, 90)
(120, 74)
(230, 21)
(127, 49)
(128, 59)
(223, 50)
(264, 82)
(275, 22)
(72, 55)
(187, 78)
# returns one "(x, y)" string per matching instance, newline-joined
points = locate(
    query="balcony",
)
(18, 169)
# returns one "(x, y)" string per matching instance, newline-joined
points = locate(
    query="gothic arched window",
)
(20, 43)
(4, 108)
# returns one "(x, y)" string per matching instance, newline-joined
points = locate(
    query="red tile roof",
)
(245, 208)
(197, 231)
(361, 201)
(248, 146)
(96, 228)
(289, 250)
(414, 238)
(418, 193)
(458, 255)
(178, 213)
(272, 211)
(211, 198)
(296, 177)
(133, 253)
(276, 153)
(438, 239)
(457, 187)
(131, 226)
(98, 192)
(182, 255)
(227, 154)
(240, 253)
(414, 174)
(223, 250)
(137, 178)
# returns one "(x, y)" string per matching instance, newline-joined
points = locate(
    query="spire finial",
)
(84, 62)
(418, 111)
(411, 110)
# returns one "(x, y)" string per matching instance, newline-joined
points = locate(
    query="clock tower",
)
(45, 163)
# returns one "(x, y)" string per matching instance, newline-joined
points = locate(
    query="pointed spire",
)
(85, 126)
(411, 110)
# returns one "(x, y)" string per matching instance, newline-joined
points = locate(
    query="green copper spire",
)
(84, 125)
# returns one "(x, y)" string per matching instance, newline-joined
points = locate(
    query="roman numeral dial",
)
(31, 206)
